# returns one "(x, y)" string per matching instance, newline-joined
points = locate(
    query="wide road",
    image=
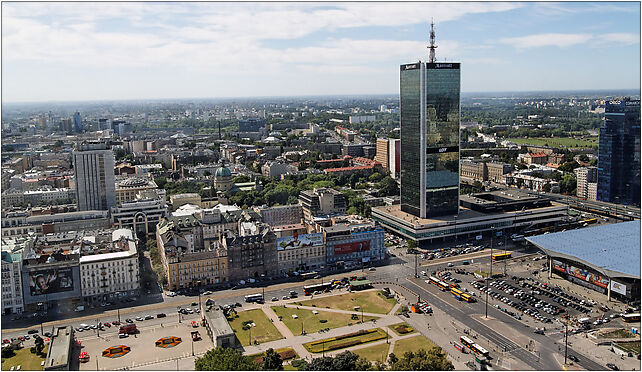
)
(544, 360)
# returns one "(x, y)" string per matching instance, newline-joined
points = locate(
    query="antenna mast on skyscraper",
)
(432, 46)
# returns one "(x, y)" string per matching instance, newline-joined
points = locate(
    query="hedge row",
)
(403, 329)
(374, 335)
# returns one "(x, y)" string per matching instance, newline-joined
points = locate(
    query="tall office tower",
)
(77, 123)
(94, 176)
(430, 137)
(618, 164)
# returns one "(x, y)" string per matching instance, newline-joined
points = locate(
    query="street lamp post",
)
(179, 313)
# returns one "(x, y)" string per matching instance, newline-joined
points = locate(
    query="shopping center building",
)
(603, 258)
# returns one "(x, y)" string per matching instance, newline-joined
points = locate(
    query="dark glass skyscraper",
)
(429, 95)
(618, 164)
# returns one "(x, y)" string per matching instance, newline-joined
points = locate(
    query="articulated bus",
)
(309, 289)
(630, 318)
(460, 295)
(443, 286)
(310, 275)
(501, 256)
(476, 348)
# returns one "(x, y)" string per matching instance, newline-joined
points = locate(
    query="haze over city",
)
(95, 51)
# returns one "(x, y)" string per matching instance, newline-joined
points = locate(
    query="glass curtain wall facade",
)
(411, 150)
(618, 179)
(429, 95)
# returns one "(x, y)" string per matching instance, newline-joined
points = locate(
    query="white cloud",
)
(543, 40)
(619, 37)
(567, 40)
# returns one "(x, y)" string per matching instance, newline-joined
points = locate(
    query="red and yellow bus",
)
(630, 318)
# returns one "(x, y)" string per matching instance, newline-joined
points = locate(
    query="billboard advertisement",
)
(54, 283)
(299, 241)
(618, 288)
(352, 247)
(50, 281)
(582, 274)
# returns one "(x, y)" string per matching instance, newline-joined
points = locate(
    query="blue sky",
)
(92, 51)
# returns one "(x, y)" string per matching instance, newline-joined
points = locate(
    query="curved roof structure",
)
(223, 172)
(612, 250)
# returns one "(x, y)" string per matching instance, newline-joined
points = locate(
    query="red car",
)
(107, 324)
(5, 341)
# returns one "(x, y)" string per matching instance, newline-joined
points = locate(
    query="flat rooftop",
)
(613, 250)
(218, 324)
(395, 211)
(58, 355)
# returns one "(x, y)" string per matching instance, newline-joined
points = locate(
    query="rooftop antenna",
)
(432, 46)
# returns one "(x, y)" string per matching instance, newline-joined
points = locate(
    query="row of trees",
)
(219, 359)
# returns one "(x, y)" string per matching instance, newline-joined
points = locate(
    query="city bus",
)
(310, 289)
(443, 286)
(479, 350)
(466, 341)
(460, 295)
(310, 275)
(630, 318)
(254, 297)
(501, 256)
(590, 221)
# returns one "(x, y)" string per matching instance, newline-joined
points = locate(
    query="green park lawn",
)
(333, 343)
(399, 327)
(374, 353)
(556, 142)
(369, 302)
(264, 331)
(411, 344)
(630, 346)
(311, 322)
(25, 359)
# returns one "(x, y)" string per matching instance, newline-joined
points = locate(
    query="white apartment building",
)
(109, 269)
(12, 299)
(301, 253)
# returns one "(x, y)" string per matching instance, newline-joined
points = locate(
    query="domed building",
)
(223, 179)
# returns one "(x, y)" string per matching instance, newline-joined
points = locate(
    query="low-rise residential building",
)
(51, 220)
(496, 171)
(533, 158)
(322, 201)
(181, 199)
(109, 266)
(252, 252)
(352, 241)
(274, 169)
(186, 260)
(300, 253)
(128, 187)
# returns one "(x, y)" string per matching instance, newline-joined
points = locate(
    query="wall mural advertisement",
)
(581, 274)
(352, 247)
(299, 241)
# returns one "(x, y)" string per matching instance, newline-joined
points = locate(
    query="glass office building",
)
(429, 95)
(618, 164)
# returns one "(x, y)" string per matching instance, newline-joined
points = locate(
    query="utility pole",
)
(565, 341)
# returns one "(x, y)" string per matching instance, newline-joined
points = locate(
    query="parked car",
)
(612, 366)
(573, 358)
(160, 315)
(123, 335)
(129, 320)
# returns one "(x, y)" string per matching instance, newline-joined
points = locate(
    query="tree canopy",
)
(225, 359)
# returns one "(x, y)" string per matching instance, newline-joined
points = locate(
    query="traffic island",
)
(345, 341)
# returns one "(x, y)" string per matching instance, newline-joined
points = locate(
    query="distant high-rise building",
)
(430, 138)
(251, 125)
(94, 176)
(383, 155)
(77, 122)
(618, 164)
(394, 162)
(585, 177)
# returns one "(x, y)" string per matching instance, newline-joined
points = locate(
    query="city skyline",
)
(122, 51)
